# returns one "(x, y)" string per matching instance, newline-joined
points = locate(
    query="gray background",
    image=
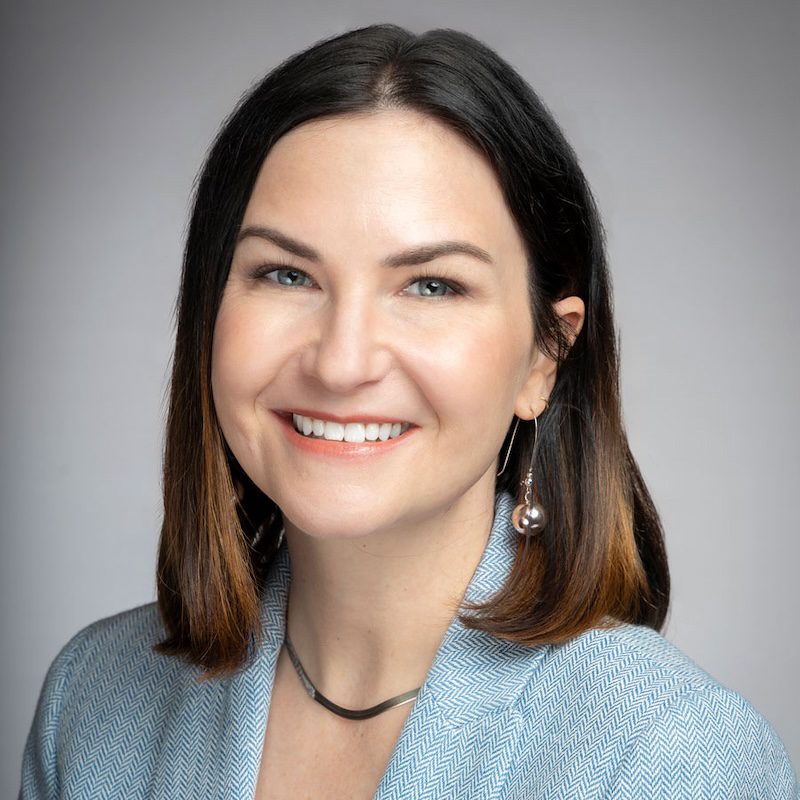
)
(685, 115)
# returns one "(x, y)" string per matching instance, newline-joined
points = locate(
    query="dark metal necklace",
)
(366, 713)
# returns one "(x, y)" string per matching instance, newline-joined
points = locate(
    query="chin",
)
(319, 525)
(342, 515)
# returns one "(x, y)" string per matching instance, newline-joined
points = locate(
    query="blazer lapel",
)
(460, 738)
(250, 690)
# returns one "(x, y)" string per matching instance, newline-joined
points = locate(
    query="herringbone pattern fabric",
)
(615, 714)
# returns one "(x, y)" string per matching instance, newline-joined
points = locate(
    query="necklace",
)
(315, 694)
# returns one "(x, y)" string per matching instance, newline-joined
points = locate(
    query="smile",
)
(348, 432)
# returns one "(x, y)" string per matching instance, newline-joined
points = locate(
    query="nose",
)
(348, 347)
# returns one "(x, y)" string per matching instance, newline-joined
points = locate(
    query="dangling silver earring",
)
(510, 445)
(529, 517)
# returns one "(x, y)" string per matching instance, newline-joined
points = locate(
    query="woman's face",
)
(323, 316)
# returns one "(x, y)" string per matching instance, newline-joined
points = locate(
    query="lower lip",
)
(341, 450)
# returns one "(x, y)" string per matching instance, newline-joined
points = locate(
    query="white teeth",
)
(354, 432)
(334, 431)
(349, 432)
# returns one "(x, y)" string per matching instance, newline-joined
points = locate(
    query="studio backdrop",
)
(685, 118)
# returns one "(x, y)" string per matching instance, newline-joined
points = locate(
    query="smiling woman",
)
(406, 550)
(356, 334)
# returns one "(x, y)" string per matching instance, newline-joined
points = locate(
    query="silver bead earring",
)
(528, 517)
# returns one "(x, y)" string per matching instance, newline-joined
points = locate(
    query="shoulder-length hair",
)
(601, 558)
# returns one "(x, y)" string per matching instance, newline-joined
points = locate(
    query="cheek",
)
(241, 362)
(472, 372)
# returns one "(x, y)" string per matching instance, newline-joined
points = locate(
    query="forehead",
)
(393, 176)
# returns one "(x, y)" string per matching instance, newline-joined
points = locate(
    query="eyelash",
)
(261, 272)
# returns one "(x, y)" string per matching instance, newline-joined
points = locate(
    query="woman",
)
(406, 551)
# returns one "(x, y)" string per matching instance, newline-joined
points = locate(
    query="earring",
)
(511, 443)
(528, 517)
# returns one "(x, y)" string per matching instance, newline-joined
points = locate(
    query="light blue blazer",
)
(615, 713)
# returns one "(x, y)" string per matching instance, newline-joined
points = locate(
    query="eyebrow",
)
(420, 254)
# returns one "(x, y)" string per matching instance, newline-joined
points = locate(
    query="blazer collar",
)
(473, 673)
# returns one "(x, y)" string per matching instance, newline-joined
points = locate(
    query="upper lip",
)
(324, 415)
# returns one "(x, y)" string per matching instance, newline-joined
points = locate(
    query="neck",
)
(366, 615)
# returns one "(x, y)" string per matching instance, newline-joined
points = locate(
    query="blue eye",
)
(434, 287)
(293, 276)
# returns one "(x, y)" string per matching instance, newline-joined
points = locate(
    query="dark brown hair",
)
(601, 558)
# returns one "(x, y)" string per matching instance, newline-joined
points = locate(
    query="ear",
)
(542, 372)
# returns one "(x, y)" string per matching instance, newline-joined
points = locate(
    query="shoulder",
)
(113, 657)
(647, 718)
(630, 661)
(125, 628)
(111, 651)
(105, 682)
